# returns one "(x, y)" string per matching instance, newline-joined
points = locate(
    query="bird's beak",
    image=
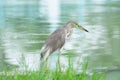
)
(81, 28)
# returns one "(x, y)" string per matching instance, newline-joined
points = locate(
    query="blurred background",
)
(26, 24)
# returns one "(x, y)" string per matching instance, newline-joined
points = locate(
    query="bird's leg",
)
(59, 61)
(46, 66)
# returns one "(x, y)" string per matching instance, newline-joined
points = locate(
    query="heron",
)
(57, 39)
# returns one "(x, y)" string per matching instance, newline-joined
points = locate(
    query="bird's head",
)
(72, 24)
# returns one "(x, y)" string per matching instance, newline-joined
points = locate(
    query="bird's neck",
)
(68, 31)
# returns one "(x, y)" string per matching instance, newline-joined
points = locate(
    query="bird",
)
(57, 39)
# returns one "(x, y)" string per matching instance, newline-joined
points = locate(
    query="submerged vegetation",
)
(46, 74)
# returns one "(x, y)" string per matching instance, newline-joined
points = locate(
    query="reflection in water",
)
(51, 9)
(29, 24)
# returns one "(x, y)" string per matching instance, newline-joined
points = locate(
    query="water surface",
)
(26, 25)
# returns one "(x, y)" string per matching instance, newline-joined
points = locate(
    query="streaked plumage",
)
(57, 39)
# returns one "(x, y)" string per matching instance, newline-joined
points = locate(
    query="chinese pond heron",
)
(57, 39)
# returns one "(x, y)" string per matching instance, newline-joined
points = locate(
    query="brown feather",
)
(54, 42)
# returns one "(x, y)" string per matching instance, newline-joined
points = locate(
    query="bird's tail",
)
(44, 53)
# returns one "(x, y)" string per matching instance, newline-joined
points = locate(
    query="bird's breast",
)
(69, 33)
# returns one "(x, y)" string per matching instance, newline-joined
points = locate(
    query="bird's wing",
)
(55, 41)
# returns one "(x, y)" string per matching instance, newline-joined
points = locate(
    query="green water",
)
(24, 26)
